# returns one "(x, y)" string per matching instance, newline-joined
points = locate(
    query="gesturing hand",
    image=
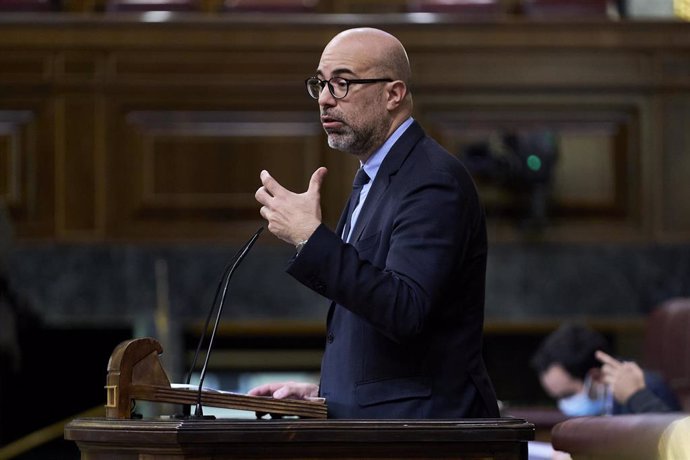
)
(292, 217)
(625, 377)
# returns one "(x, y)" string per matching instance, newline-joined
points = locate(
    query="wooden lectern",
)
(135, 373)
(485, 439)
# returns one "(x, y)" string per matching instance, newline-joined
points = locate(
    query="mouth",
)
(330, 123)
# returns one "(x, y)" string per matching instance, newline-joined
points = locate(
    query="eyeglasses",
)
(337, 86)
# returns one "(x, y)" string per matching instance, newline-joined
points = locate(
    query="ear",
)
(397, 91)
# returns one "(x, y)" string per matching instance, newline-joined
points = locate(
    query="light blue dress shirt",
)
(371, 167)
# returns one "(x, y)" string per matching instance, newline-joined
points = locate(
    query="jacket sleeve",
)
(405, 262)
(644, 401)
(656, 396)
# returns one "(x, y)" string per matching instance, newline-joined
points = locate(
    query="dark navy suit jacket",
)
(404, 330)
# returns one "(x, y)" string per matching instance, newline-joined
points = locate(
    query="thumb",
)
(317, 180)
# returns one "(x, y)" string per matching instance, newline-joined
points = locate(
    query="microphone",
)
(221, 291)
(215, 300)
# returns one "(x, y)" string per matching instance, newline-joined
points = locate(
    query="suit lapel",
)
(391, 164)
(343, 217)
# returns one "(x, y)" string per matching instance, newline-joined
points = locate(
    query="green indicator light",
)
(534, 163)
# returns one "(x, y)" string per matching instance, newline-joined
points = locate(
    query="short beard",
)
(359, 143)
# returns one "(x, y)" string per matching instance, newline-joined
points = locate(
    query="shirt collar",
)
(371, 167)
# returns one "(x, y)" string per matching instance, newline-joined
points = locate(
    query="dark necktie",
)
(361, 178)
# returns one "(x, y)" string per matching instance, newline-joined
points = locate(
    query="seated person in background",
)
(570, 372)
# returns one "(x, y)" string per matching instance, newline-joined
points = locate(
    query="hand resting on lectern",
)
(287, 390)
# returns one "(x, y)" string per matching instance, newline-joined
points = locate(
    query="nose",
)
(326, 99)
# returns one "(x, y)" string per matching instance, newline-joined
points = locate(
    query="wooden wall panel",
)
(675, 178)
(79, 68)
(199, 170)
(25, 66)
(79, 168)
(260, 68)
(147, 130)
(27, 162)
(533, 68)
(11, 123)
(673, 68)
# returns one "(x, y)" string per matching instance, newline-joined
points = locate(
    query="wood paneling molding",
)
(27, 163)
(188, 167)
(11, 150)
(144, 128)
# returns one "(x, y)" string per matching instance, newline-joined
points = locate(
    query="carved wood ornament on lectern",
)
(135, 373)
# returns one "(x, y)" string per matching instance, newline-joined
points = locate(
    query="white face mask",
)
(582, 404)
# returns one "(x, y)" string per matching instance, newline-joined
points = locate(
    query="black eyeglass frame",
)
(348, 82)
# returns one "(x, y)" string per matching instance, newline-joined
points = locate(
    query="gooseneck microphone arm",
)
(208, 320)
(198, 412)
(213, 307)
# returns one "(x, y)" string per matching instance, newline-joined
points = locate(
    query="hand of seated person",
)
(286, 390)
(625, 377)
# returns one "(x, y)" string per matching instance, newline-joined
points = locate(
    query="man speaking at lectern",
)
(405, 268)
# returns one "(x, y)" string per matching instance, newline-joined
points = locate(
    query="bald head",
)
(374, 50)
(377, 101)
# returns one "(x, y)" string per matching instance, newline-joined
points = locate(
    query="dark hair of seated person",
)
(572, 346)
